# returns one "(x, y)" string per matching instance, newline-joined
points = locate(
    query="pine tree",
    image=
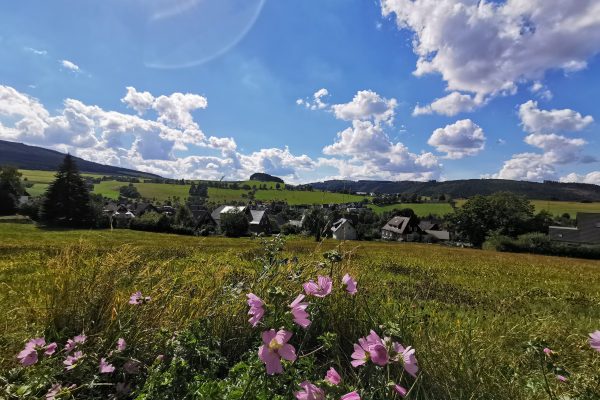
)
(67, 200)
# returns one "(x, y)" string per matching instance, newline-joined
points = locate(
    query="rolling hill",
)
(27, 157)
(470, 187)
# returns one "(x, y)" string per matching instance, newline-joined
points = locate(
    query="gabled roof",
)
(397, 225)
(427, 225)
(257, 216)
(339, 223)
(216, 214)
(440, 235)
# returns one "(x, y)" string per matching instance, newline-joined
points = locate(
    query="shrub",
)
(234, 223)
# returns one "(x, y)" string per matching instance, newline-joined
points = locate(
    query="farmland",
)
(471, 315)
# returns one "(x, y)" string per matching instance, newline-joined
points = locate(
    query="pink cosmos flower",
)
(256, 309)
(400, 390)
(105, 367)
(29, 355)
(131, 367)
(594, 340)
(547, 351)
(121, 344)
(71, 361)
(350, 284)
(73, 343)
(320, 289)
(333, 377)
(370, 348)
(310, 392)
(407, 357)
(275, 348)
(299, 312)
(350, 396)
(137, 298)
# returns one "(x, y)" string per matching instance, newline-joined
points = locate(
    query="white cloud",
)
(543, 121)
(36, 51)
(489, 47)
(592, 177)
(450, 105)
(70, 65)
(526, 167)
(366, 105)
(557, 149)
(130, 141)
(461, 139)
(541, 91)
(316, 103)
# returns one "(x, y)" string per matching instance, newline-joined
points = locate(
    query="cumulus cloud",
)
(592, 177)
(131, 141)
(450, 105)
(316, 103)
(366, 105)
(70, 65)
(365, 151)
(557, 149)
(489, 47)
(526, 167)
(458, 140)
(566, 120)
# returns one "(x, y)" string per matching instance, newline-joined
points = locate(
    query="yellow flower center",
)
(274, 345)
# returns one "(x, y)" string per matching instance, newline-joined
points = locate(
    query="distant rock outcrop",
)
(262, 177)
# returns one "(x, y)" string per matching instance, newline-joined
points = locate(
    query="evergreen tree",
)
(67, 200)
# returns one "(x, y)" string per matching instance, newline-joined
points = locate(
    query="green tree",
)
(314, 222)
(234, 223)
(67, 199)
(184, 217)
(10, 190)
(501, 213)
(129, 191)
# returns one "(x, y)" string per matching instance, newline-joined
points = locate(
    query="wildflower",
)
(320, 289)
(400, 390)
(137, 298)
(299, 311)
(274, 348)
(333, 377)
(562, 378)
(54, 391)
(370, 348)
(160, 358)
(132, 367)
(547, 351)
(105, 367)
(310, 392)
(73, 343)
(71, 361)
(29, 355)
(256, 309)
(350, 284)
(595, 340)
(121, 344)
(350, 396)
(407, 357)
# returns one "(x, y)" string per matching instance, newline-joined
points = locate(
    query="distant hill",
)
(262, 177)
(23, 156)
(471, 187)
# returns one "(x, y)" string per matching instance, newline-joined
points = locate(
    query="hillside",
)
(470, 187)
(23, 156)
(262, 177)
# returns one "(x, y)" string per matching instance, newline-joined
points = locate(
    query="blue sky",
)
(227, 88)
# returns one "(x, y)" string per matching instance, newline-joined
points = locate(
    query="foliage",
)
(129, 191)
(67, 200)
(475, 338)
(234, 223)
(152, 222)
(10, 190)
(314, 222)
(539, 243)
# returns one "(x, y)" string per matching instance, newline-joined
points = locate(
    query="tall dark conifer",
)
(67, 200)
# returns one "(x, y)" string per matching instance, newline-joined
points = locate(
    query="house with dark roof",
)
(399, 228)
(258, 220)
(342, 229)
(586, 232)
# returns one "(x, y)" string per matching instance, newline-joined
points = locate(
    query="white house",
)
(343, 230)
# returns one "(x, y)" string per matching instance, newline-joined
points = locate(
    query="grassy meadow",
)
(472, 316)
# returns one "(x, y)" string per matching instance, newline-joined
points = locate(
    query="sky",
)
(309, 90)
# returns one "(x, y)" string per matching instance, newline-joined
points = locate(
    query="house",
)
(434, 230)
(586, 232)
(140, 209)
(343, 230)
(399, 228)
(121, 217)
(258, 220)
(426, 225)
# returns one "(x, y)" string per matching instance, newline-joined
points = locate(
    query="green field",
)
(558, 207)
(471, 315)
(421, 209)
